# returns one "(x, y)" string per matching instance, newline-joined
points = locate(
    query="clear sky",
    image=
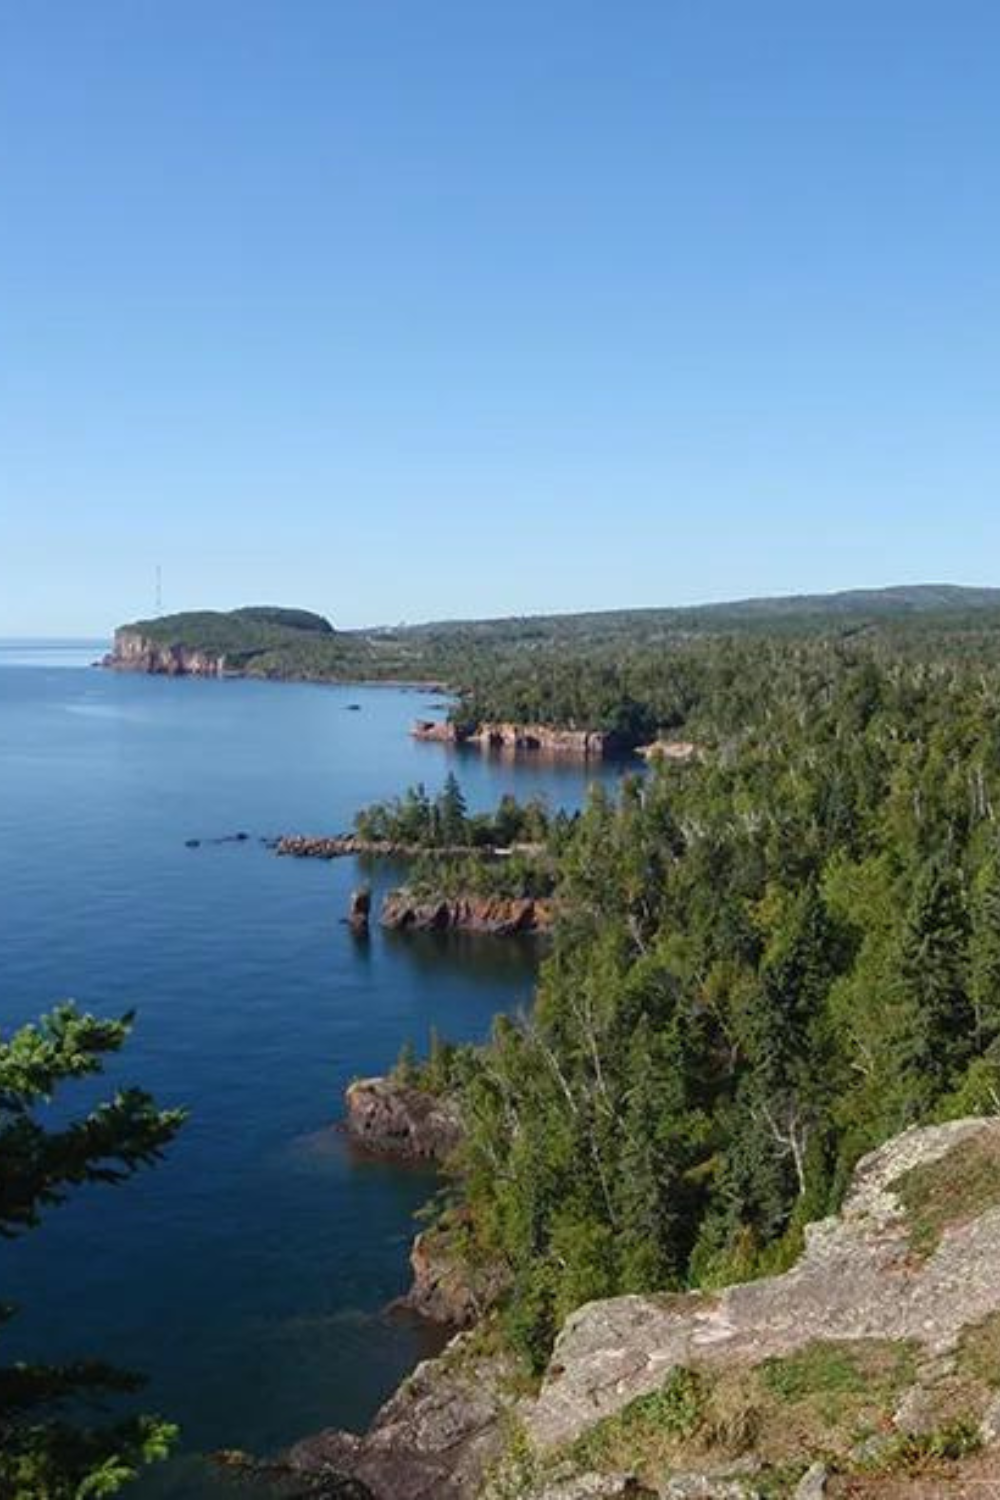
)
(401, 309)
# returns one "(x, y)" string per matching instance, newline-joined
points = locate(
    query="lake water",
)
(248, 1273)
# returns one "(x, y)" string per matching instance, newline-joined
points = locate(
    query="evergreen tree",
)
(44, 1453)
(984, 954)
(452, 818)
(938, 1031)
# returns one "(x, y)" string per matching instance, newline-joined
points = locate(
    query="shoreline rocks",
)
(396, 1119)
(434, 1439)
(860, 1279)
(497, 916)
(582, 744)
(342, 845)
(447, 1288)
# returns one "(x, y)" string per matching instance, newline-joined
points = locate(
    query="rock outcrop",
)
(343, 845)
(438, 732)
(498, 916)
(547, 739)
(859, 1279)
(446, 1287)
(906, 1273)
(676, 750)
(360, 910)
(433, 1440)
(394, 1119)
(134, 652)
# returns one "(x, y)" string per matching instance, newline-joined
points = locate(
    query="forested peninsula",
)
(771, 997)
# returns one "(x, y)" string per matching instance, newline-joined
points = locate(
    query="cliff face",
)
(500, 916)
(580, 743)
(134, 652)
(446, 1288)
(433, 1440)
(879, 1349)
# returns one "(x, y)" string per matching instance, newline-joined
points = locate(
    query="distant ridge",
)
(915, 598)
(893, 601)
(265, 641)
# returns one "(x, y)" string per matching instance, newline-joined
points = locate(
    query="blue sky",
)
(402, 309)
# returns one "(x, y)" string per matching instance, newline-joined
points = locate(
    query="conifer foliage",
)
(50, 1446)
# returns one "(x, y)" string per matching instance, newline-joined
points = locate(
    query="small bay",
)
(249, 1272)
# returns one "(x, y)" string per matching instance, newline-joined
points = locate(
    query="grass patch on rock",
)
(823, 1398)
(978, 1352)
(647, 1436)
(953, 1190)
(817, 1402)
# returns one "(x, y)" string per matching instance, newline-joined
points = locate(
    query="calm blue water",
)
(248, 1273)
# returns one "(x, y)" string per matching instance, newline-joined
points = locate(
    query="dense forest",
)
(768, 961)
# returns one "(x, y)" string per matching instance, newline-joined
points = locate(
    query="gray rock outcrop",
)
(872, 1273)
(433, 1440)
(394, 1119)
(858, 1279)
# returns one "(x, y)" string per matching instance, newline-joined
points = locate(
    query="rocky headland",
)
(874, 1359)
(394, 1119)
(135, 652)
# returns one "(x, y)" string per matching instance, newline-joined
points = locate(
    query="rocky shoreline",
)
(446, 1434)
(401, 1122)
(406, 910)
(341, 845)
(581, 744)
(551, 740)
